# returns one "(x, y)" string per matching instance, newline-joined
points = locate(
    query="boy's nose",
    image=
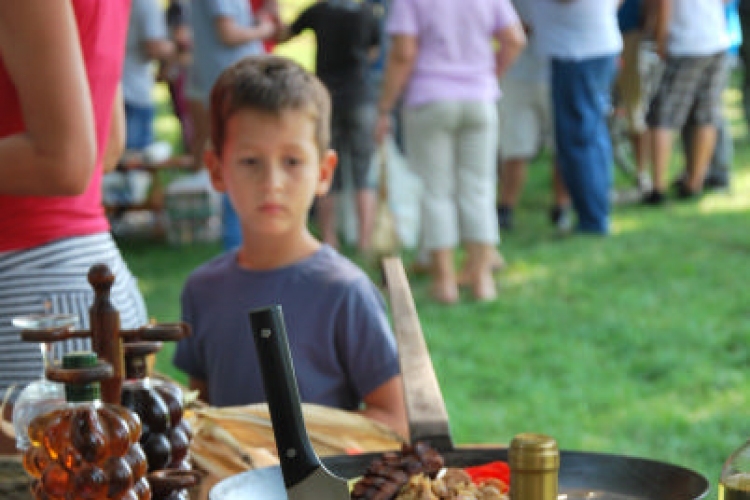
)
(273, 176)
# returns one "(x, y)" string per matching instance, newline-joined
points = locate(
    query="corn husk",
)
(241, 437)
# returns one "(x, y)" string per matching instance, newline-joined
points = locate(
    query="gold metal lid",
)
(530, 451)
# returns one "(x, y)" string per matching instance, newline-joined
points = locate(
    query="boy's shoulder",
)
(215, 269)
(329, 265)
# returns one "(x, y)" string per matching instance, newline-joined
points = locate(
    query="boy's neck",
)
(264, 254)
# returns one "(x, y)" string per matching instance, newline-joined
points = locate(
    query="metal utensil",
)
(305, 477)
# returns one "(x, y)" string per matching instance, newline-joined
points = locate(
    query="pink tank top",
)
(29, 221)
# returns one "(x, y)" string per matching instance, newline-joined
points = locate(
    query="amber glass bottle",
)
(166, 436)
(86, 449)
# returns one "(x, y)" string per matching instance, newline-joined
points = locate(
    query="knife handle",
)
(296, 454)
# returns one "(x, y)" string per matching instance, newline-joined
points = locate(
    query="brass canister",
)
(534, 465)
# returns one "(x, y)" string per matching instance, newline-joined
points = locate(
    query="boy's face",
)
(272, 170)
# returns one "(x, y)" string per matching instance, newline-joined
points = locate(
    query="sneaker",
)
(560, 218)
(644, 182)
(653, 198)
(505, 217)
(716, 184)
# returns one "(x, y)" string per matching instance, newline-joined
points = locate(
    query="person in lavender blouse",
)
(444, 64)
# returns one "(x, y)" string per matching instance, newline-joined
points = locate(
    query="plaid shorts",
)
(689, 87)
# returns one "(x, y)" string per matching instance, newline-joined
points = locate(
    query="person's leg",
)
(512, 179)
(661, 151)
(430, 151)
(362, 149)
(707, 114)
(719, 173)
(199, 116)
(669, 110)
(476, 174)
(580, 93)
(326, 208)
(521, 134)
(327, 219)
(630, 92)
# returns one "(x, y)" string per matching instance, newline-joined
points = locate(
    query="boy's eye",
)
(292, 161)
(250, 161)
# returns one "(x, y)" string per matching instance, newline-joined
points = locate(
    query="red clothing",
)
(256, 5)
(29, 221)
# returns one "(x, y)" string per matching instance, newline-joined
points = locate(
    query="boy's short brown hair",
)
(270, 84)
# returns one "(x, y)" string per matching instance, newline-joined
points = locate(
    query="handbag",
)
(385, 240)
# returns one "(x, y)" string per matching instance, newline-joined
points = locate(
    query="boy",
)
(270, 134)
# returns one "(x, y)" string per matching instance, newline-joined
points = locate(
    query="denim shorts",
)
(139, 121)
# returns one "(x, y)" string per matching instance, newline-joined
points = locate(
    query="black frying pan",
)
(583, 475)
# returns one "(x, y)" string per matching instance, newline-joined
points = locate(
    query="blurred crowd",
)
(561, 69)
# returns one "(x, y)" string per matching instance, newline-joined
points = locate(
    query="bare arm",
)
(56, 153)
(232, 34)
(512, 41)
(386, 405)
(662, 13)
(401, 59)
(159, 49)
(196, 384)
(116, 138)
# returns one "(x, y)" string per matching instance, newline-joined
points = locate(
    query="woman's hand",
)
(382, 127)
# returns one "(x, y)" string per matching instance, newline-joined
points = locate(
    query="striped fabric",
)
(53, 279)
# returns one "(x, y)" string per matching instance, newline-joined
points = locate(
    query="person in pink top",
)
(60, 67)
(444, 64)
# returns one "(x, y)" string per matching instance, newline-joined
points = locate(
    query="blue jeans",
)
(581, 101)
(139, 122)
(231, 232)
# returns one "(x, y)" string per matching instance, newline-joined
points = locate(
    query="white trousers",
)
(452, 147)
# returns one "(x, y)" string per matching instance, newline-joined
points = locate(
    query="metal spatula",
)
(305, 476)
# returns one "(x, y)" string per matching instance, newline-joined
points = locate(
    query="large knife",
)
(305, 476)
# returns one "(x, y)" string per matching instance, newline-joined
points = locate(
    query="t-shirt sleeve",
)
(366, 340)
(306, 20)
(505, 15)
(187, 355)
(152, 20)
(219, 8)
(402, 18)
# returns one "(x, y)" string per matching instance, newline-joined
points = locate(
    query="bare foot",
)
(444, 292)
(483, 288)
(496, 264)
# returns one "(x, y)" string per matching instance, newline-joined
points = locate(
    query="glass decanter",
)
(734, 482)
(86, 448)
(41, 395)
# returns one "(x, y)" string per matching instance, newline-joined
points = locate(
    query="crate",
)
(192, 216)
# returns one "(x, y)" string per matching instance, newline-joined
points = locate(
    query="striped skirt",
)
(53, 279)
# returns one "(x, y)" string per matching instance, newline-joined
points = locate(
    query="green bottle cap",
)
(79, 359)
(89, 391)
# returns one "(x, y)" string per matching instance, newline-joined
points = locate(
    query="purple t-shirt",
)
(455, 60)
(341, 342)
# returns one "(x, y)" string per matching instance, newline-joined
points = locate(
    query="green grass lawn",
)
(633, 344)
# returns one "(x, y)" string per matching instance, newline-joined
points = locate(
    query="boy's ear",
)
(213, 163)
(327, 167)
